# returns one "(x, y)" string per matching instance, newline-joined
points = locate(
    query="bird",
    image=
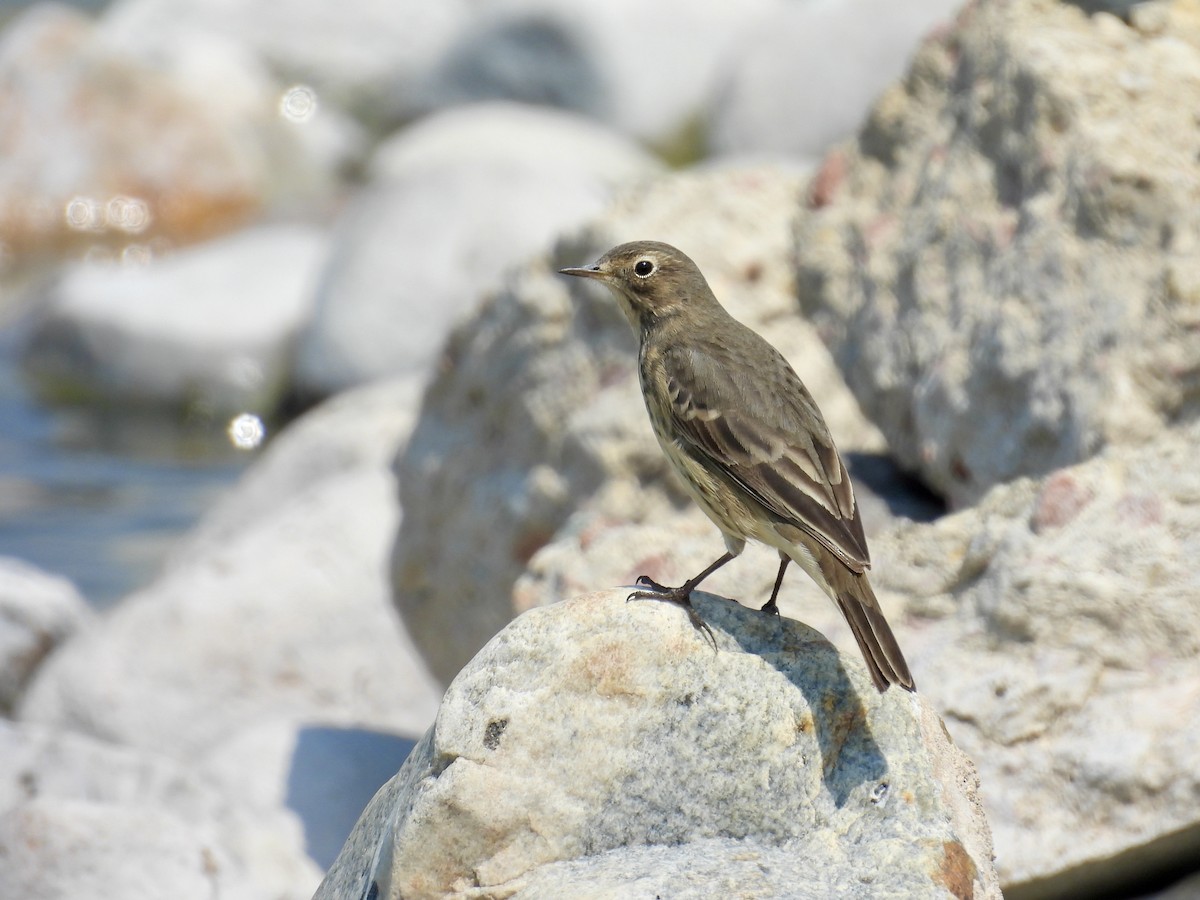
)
(748, 441)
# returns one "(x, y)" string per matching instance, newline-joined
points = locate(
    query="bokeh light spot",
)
(298, 103)
(247, 431)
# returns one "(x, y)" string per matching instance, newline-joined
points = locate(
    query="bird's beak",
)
(585, 272)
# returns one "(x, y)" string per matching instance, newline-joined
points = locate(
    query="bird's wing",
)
(761, 428)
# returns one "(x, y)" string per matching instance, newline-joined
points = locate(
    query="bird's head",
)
(651, 280)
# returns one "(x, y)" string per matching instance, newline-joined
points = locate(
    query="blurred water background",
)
(97, 495)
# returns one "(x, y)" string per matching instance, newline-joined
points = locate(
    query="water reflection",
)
(100, 496)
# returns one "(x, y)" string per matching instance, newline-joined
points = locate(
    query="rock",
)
(1055, 628)
(594, 745)
(38, 611)
(79, 817)
(355, 57)
(284, 615)
(114, 151)
(1004, 261)
(209, 328)
(808, 73)
(452, 203)
(647, 70)
(536, 405)
(59, 849)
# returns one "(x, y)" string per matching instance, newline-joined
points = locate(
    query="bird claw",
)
(649, 582)
(770, 608)
(677, 596)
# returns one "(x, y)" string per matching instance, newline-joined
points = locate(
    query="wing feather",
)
(761, 428)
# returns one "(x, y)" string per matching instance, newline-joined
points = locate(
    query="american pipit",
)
(748, 441)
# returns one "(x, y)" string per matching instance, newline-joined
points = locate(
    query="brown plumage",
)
(747, 439)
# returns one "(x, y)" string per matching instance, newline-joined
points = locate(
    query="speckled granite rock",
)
(598, 745)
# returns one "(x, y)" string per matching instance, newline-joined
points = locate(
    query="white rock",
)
(211, 326)
(79, 817)
(454, 202)
(284, 614)
(808, 73)
(595, 747)
(38, 611)
(509, 136)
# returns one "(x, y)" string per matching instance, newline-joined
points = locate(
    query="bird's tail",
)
(857, 602)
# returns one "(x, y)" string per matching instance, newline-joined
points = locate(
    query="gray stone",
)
(211, 327)
(38, 612)
(281, 615)
(594, 746)
(1004, 262)
(536, 405)
(452, 203)
(808, 73)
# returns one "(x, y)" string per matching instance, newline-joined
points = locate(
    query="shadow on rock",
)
(849, 754)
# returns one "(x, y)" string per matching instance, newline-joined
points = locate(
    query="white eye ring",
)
(644, 268)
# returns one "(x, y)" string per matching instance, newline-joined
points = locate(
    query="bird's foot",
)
(771, 608)
(681, 596)
(654, 585)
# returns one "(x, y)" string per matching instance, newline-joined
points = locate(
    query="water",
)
(100, 496)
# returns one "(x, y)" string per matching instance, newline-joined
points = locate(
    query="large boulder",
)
(1004, 262)
(450, 204)
(603, 748)
(536, 404)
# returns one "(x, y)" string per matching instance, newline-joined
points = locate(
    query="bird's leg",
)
(681, 595)
(771, 608)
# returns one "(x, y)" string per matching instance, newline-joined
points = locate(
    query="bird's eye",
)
(643, 267)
